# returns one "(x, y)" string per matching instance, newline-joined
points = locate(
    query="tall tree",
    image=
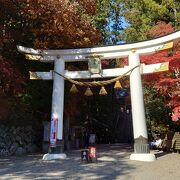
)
(144, 14)
(40, 24)
(109, 20)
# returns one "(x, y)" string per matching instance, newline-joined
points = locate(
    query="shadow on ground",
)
(112, 162)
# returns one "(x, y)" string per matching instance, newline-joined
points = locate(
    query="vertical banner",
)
(53, 132)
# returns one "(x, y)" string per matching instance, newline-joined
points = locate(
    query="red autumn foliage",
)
(11, 80)
(167, 83)
(160, 29)
(58, 24)
(176, 114)
(44, 24)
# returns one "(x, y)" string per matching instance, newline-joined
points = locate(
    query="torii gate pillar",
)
(57, 113)
(141, 146)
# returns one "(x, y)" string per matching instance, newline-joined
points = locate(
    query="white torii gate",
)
(132, 51)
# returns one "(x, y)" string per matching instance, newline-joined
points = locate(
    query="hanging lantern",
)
(117, 85)
(74, 89)
(103, 91)
(88, 92)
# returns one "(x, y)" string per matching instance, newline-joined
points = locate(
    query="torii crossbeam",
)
(132, 51)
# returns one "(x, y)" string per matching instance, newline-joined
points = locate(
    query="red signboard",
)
(92, 152)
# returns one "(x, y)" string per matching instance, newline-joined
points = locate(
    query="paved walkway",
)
(113, 163)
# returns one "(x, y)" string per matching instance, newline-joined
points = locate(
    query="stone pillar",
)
(57, 111)
(141, 146)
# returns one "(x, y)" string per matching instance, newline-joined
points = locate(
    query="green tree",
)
(109, 20)
(142, 15)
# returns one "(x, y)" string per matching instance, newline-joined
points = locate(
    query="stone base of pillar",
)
(49, 156)
(56, 152)
(141, 145)
(147, 157)
(141, 148)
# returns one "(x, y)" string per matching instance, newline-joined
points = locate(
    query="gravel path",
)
(113, 163)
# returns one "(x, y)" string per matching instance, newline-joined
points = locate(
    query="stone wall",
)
(17, 140)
